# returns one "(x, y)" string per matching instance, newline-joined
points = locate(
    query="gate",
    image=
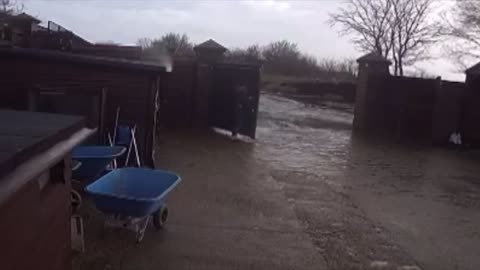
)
(226, 77)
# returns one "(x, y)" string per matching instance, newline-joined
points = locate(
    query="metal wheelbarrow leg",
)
(138, 225)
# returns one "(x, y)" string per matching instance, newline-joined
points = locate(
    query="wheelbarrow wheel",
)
(160, 217)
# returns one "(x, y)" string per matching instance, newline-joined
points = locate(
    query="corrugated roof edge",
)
(83, 59)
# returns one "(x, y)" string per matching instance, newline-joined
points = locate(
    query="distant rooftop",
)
(474, 69)
(26, 16)
(210, 45)
(49, 55)
(373, 57)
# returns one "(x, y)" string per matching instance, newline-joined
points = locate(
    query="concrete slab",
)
(228, 213)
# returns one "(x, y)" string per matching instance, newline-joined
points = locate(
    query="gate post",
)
(368, 65)
(203, 84)
(208, 54)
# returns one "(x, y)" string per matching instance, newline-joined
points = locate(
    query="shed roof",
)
(31, 133)
(373, 57)
(210, 45)
(82, 59)
(20, 17)
(475, 69)
(25, 16)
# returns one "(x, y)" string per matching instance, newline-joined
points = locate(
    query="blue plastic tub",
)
(134, 192)
(94, 160)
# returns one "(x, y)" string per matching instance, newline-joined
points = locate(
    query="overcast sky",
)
(231, 23)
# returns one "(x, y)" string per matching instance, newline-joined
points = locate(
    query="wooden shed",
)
(470, 127)
(95, 87)
(201, 95)
(35, 171)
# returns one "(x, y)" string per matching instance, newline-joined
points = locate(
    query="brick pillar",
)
(210, 52)
(368, 65)
(202, 95)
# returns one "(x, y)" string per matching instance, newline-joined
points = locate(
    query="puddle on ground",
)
(425, 189)
(292, 135)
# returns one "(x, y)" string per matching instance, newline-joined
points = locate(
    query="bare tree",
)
(278, 58)
(175, 44)
(252, 54)
(412, 32)
(144, 43)
(349, 66)
(170, 44)
(420, 73)
(281, 51)
(281, 57)
(461, 26)
(397, 29)
(345, 70)
(9, 7)
(369, 23)
(285, 58)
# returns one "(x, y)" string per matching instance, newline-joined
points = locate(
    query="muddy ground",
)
(305, 195)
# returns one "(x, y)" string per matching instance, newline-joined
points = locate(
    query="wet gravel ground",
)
(372, 204)
(305, 195)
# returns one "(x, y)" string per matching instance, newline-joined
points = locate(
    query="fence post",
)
(437, 122)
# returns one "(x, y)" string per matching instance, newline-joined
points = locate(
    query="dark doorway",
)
(226, 77)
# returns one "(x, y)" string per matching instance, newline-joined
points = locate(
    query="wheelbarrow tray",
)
(94, 160)
(132, 192)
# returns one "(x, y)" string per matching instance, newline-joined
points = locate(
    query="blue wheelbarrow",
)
(130, 196)
(94, 160)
